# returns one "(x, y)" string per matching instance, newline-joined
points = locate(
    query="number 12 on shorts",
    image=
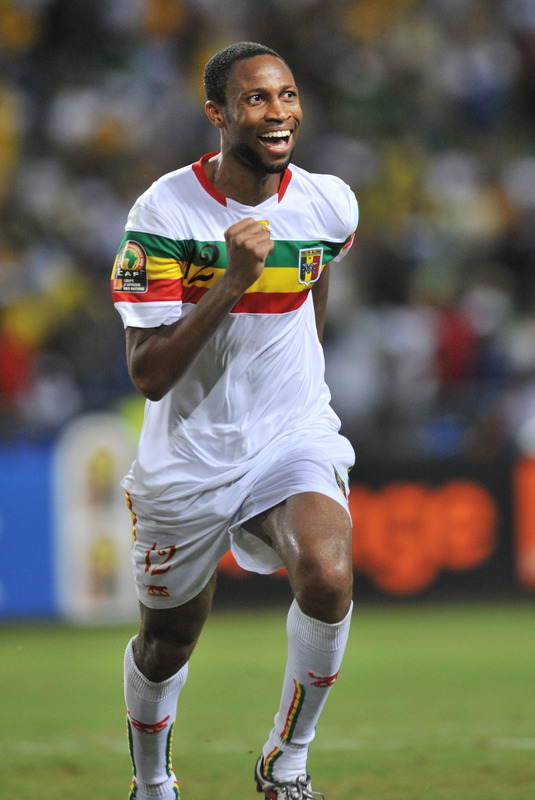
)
(162, 557)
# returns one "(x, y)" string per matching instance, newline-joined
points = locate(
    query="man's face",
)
(262, 114)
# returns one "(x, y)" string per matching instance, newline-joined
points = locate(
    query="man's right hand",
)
(248, 245)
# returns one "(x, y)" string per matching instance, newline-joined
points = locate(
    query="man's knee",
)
(160, 655)
(324, 589)
(167, 637)
(329, 580)
(312, 533)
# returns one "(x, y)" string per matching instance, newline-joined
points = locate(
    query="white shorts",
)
(177, 548)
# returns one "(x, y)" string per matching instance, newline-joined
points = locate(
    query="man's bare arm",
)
(158, 357)
(320, 291)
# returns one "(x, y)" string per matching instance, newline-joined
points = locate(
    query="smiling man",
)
(221, 281)
(245, 125)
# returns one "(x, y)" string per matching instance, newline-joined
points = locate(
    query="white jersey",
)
(261, 376)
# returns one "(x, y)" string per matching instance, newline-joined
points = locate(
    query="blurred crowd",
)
(425, 107)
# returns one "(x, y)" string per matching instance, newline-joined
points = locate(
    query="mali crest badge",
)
(310, 265)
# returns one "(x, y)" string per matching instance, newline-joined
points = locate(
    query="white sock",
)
(315, 652)
(151, 712)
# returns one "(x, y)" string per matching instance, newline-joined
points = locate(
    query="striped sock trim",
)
(293, 712)
(270, 762)
(131, 751)
(169, 753)
(169, 759)
(162, 791)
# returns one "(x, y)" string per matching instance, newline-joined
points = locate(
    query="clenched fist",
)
(248, 245)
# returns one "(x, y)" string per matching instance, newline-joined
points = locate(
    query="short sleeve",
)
(146, 281)
(349, 213)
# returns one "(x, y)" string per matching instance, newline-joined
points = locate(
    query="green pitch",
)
(431, 703)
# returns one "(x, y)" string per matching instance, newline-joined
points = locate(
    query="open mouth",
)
(276, 141)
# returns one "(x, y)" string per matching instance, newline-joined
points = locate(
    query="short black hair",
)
(217, 70)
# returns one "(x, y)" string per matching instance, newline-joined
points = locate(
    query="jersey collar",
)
(202, 177)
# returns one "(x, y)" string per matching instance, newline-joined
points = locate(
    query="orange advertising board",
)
(405, 534)
(524, 503)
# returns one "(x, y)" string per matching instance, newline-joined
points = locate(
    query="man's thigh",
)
(306, 526)
(315, 469)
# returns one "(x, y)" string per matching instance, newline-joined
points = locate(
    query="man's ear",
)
(215, 113)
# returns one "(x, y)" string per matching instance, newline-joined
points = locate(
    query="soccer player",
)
(221, 282)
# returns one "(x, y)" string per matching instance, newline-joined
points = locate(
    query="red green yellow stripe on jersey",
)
(153, 268)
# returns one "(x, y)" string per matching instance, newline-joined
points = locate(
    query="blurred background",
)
(427, 109)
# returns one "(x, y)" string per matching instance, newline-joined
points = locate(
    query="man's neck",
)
(239, 182)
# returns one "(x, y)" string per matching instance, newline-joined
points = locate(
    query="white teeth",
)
(275, 135)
